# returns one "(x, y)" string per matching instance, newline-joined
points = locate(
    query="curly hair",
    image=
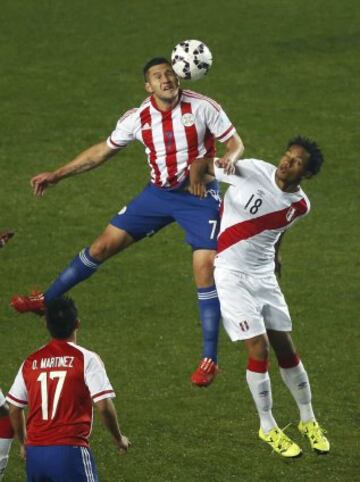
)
(316, 156)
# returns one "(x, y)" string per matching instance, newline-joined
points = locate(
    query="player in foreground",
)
(261, 203)
(175, 128)
(59, 383)
(6, 431)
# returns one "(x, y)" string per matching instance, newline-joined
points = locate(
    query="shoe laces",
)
(283, 441)
(316, 431)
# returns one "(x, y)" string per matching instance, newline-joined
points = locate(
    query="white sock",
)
(297, 381)
(260, 388)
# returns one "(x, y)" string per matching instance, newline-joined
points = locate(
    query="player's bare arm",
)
(5, 236)
(199, 173)
(234, 151)
(17, 418)
(89, 159)
(107, 412)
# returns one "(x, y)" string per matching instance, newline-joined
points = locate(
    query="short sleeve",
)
(18, 395)
(243, 168)
(218, 122)
(123, 133)
(96, 378)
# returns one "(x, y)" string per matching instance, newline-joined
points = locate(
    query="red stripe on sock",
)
(290, 362)
(259, 366)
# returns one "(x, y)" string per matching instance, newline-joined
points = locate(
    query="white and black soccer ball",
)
(191, 59)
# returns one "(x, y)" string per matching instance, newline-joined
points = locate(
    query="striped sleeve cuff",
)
(114, 145)
(102, 395)
(227, 134)
(15, 401)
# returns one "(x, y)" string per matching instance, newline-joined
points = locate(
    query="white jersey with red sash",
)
(255, 212)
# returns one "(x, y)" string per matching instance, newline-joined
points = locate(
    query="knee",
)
(204, 271)
(258, 348)
(99, 250)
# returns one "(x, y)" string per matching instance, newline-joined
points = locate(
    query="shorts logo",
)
(188, 120)
(290, 214)
(123, 210)
(244, 325)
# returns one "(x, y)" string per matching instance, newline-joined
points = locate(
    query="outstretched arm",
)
(107, 412)
(89, 159)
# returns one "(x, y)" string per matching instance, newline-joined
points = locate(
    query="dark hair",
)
(152, 62)
(316, 156)
(61, 317)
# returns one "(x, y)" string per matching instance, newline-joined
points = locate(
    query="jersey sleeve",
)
(123, 133)
(243, 168)
(218, 122)
(18, 395)
(96, 378)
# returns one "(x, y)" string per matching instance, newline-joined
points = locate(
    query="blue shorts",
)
(154, 208)
(60, 463)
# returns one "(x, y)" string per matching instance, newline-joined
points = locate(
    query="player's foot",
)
(29, 304)
(205, 373)
(315, 434)
(280, 443)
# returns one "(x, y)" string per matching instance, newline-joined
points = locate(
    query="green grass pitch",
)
(281, 67)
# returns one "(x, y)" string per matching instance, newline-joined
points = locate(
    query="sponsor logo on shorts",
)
(188, 120)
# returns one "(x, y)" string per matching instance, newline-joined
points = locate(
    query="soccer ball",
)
(191, 59)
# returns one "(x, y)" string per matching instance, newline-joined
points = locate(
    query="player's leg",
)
(296, 379)
(279, 325)
(209, 308)
(241, 313)
(200, 220)
(85, 264)
(135, 221)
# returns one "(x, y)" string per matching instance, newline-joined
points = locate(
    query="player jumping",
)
(175, 126)
(261, 203)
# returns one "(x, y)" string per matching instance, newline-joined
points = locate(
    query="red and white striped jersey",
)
(255, 212)
(173, 139)
(59, 382)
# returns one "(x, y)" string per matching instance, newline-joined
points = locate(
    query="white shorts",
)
(250, 305)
